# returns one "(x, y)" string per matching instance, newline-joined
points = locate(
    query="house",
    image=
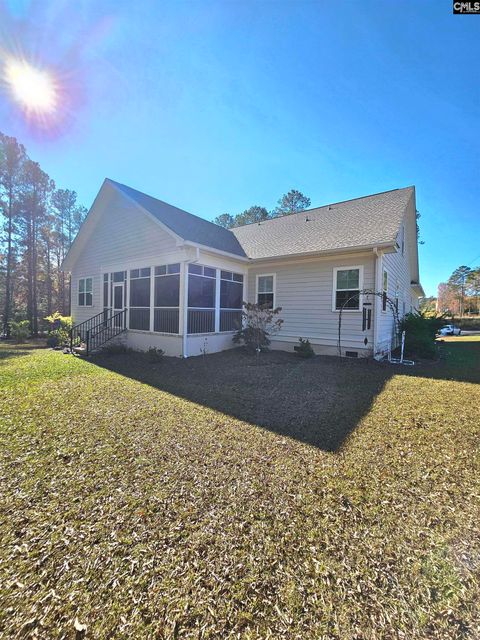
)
(180, 280)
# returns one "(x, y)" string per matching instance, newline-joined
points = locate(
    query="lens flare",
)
(33, 89)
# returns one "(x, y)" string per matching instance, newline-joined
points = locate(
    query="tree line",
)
(39, 223)
(292, 202)
(460, 295)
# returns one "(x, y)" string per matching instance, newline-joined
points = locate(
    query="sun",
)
(32, 88)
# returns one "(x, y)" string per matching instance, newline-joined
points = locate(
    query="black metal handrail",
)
(99, 329)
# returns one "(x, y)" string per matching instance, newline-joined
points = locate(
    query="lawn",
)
(220, 498)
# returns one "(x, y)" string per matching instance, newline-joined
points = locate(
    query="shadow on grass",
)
(10, 349)
(319, 401)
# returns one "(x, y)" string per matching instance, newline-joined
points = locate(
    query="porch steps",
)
(88, 336)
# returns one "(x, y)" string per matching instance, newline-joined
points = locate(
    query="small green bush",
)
(154, 354)
(304, 349)
(420, 332)
(20, 330)
(59, 329)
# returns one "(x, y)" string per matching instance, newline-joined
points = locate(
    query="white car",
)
(450, 330)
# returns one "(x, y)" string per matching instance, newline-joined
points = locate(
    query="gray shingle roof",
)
(186, 225)
(366, 221)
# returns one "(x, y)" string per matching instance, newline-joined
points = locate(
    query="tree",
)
(473, 287)
(447, 301)
(292, 202)
(418, 215)
(253, 214)
(37, 228)
(12, 159)
(225, 220)
(33, 212)
(457, 282)
(68, 218)
(428, 306)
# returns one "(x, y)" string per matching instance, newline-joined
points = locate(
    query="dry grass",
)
(144, 514)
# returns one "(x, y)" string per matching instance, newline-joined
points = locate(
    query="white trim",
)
(377, 302)
(274, 286)
(217, 300)
(85, 291)
(184, 306)
(360, 268)
(326, 253)
(204, 247)
(152, 295)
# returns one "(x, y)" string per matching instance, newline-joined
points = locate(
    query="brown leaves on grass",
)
(131, 512)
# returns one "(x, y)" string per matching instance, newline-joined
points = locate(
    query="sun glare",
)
(34, 89)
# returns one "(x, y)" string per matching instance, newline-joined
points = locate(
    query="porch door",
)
(118, 300)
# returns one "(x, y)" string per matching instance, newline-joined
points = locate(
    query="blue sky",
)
(216, 106)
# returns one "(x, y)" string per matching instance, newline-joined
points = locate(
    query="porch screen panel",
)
(201, 299)
(139, 317)
(106, 308)
(167, 298)
(231, 300)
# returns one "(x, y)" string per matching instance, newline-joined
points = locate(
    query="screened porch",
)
(169, 298)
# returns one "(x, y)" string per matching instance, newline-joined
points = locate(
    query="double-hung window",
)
(140, 299)
(347, 283)
(231, 300)
(201, 298)
(85, 292)
(266, 291)
(166, 298)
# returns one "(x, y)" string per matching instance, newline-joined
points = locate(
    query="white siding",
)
(304, 290)
(122, 237)
(398, 269)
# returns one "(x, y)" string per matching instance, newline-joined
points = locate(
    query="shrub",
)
(304, 348)
(59, 329)
(154, 354)
(259, 322)
(114, 349)
(420, 332)
(20, 330)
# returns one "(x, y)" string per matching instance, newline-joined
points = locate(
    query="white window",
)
(85, 292)
(384, 290)
(347, 284)
(266, 290)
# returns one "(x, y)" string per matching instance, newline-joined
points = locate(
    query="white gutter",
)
(377, 300)
(326, 252)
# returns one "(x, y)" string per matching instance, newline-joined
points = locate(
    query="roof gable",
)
(186, 225)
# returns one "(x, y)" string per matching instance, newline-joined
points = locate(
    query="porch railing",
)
(97, 330)
(201, 321)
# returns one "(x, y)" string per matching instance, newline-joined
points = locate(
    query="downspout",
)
(185, 302)
(377, 300)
